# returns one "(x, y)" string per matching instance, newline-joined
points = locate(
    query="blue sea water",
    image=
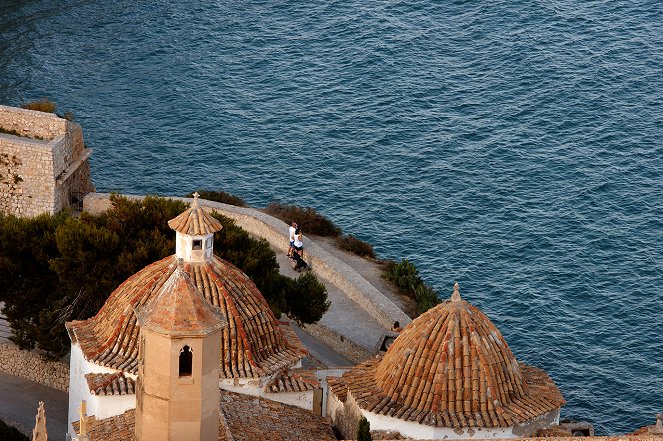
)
(514, 146)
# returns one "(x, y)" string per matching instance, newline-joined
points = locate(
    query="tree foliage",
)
(57, 268)
(220, 196)
(364, 430)
(306, 299)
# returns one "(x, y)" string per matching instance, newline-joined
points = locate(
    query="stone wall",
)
(32, 124)
(43, 169)
(338, 343)
(31, 366)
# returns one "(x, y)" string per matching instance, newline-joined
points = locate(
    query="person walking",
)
(298, 243)
(291, 235)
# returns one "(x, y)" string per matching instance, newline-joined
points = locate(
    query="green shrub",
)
(57, 268)
(364, 430)
(9, 433)
(309, 220)
(405, 276)
(352, 244)
(27, 281)
(306, 298)
(42, 105)
(220, 196)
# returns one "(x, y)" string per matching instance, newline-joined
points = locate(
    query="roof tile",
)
(445, 367)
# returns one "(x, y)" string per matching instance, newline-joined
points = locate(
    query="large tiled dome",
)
(253, 344)
(452, 368)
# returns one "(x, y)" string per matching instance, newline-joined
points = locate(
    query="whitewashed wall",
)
(100, 406)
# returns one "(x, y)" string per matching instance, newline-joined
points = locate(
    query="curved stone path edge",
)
(322, 263)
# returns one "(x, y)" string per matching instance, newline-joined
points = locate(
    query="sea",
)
(513, 146)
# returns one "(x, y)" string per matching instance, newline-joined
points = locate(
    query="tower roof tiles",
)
(195, 221)
(179, 309)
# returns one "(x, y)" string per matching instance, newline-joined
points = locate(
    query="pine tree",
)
(364, 430)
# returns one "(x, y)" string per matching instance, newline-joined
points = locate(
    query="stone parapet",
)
(31, 123)
(323, 264)
(33, 367)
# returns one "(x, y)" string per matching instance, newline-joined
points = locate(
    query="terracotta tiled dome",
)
(195, 221)
(452, 368)
(253, 344)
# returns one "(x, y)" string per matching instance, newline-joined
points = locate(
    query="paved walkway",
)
(19, 399)
(345, 317)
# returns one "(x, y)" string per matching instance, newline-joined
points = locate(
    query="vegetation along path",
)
(359, 314)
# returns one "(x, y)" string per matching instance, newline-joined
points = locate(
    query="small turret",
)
(195, 230)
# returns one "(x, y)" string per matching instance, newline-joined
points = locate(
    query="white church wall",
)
(101, 407)
(344, 417)
(415, 430)
(321, 375)
(246, 386)
(111, 405)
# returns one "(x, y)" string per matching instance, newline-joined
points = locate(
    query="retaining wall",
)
(31, 366)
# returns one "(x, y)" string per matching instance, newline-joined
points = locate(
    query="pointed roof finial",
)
(455, 297)
(39, 432)
(194, 203)
(82, 428)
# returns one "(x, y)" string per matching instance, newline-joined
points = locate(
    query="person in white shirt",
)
(291, 233)
(298, 244)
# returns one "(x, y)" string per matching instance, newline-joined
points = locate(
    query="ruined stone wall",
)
(31, 366)
(45, 168)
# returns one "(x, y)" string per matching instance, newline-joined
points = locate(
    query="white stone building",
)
(260, 355)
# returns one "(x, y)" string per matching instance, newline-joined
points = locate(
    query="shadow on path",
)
(19, 399)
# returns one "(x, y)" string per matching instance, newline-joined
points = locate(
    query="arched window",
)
(186, 361)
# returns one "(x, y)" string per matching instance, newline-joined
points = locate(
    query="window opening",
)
(197, 244)
(186, 359)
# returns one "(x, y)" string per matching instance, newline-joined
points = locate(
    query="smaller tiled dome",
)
(195, 221)
(451, 367)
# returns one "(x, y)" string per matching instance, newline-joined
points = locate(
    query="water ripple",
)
(513, 146)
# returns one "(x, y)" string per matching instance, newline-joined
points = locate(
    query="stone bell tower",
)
(177, 394)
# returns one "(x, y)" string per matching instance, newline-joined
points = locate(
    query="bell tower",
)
(177, 393)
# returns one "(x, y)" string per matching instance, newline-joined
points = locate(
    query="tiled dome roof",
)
(253, 344)
(452, 368)
(179, 309)
(195, 221)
